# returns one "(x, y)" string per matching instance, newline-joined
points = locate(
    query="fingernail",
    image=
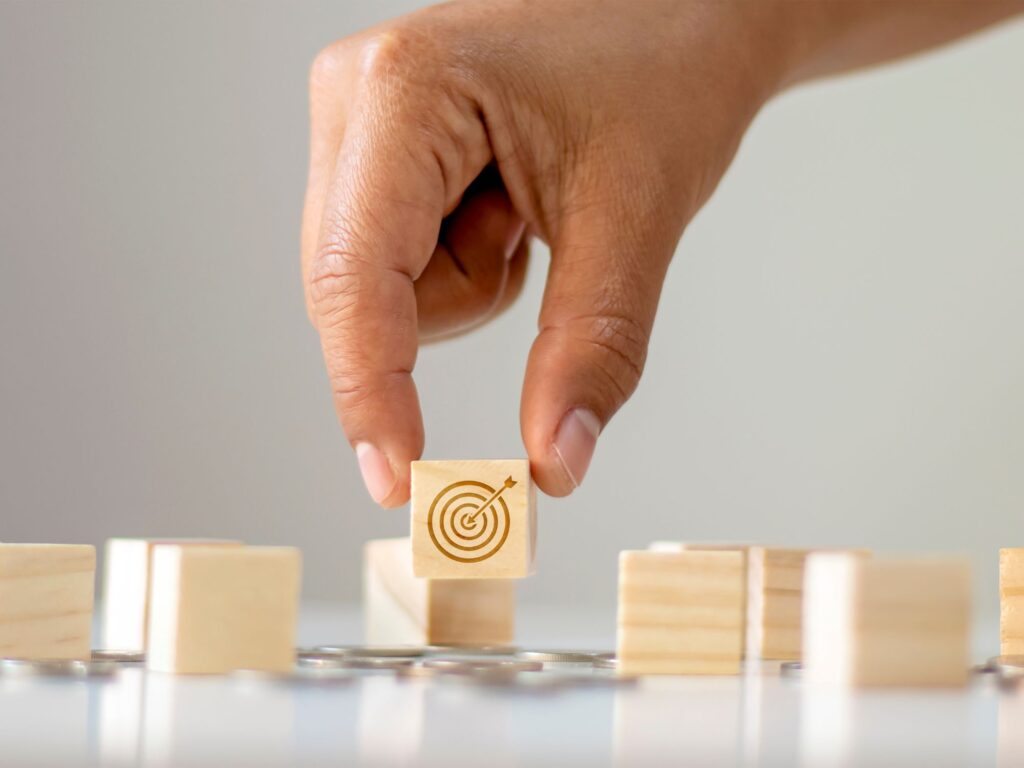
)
(378, 476)
(575, 442)
(515, 236)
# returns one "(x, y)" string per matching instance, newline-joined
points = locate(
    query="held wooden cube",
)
(218, 609)
(886, 622)
(680, 613)
(712, 546)
(126, 574)
(1011, 601)
(401, 609)
(46, 599)
(473, 519)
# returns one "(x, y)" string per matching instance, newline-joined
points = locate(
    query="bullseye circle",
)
(461, 528)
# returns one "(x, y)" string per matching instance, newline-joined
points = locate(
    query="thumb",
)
(608, 263)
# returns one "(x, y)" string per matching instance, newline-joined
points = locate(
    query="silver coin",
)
(472, 650)
(477, 665)
(605, 661)
(418, 672)
(327, 661)
(68, 668)
(369, 651)
(120, 657)
(559, 657)
(791, 669)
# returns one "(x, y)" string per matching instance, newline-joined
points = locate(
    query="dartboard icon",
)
(469, 521)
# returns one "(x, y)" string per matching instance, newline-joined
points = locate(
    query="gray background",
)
(838, 360)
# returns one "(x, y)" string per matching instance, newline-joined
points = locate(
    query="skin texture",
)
(443, 141)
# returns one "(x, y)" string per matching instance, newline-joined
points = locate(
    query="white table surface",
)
(758, 719)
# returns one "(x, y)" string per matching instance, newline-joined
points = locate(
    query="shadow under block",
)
(217, 609)
(127, 565)
(1011, 602)
(401, 609)
(680, 613)
(46, 600)
(473, 519)
(886, 621)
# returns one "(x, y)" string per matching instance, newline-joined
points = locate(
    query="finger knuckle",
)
(401, 52)
(327, 64)
(333, 287)
(618, 345)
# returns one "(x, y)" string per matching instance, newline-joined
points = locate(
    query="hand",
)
(442, 141)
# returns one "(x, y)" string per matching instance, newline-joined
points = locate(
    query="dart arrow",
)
(509, 482)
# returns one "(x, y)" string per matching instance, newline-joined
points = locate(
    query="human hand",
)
(598, 126)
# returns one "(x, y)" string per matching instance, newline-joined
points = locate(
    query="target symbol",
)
(469, 521)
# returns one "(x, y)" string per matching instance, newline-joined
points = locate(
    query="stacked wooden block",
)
(886, 621)
(203, 607)
(401, 609)
(473, 530)
(680, 612)
(1011, 602)
(46, 600)
(775, 607)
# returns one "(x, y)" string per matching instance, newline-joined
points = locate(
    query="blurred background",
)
(838, 360)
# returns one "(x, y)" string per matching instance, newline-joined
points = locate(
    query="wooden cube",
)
(712, 546)
(127, 564)
(217, 609)
(473, 519)
(680, 612)
(775, 583)
(886, 622)
(1011, 601)
(401, 609)
(46, 599)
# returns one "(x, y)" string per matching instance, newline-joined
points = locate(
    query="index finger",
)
(382, 215)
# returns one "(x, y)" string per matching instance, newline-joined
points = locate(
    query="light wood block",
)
(775, 582)
(680, 612)
(473, 519)
(775, 585)
(1011, 601)
(886, 621)
(217, 609)
(46, 599)
(127, 565)
(712, 546)
(401, 609)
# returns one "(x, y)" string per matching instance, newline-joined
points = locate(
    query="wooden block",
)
(891, 621)
(46, 598)
(712, 546)
(775, 585)
(680, 612)
(775, 579)
(401, 609)
(217, 609)
(473, 519)
(1011, 601)
(127, 564)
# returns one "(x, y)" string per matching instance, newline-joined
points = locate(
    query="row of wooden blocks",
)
(195, 607)
(214, 606)
(850, 617)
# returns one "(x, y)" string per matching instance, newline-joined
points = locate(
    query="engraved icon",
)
(469, 521)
